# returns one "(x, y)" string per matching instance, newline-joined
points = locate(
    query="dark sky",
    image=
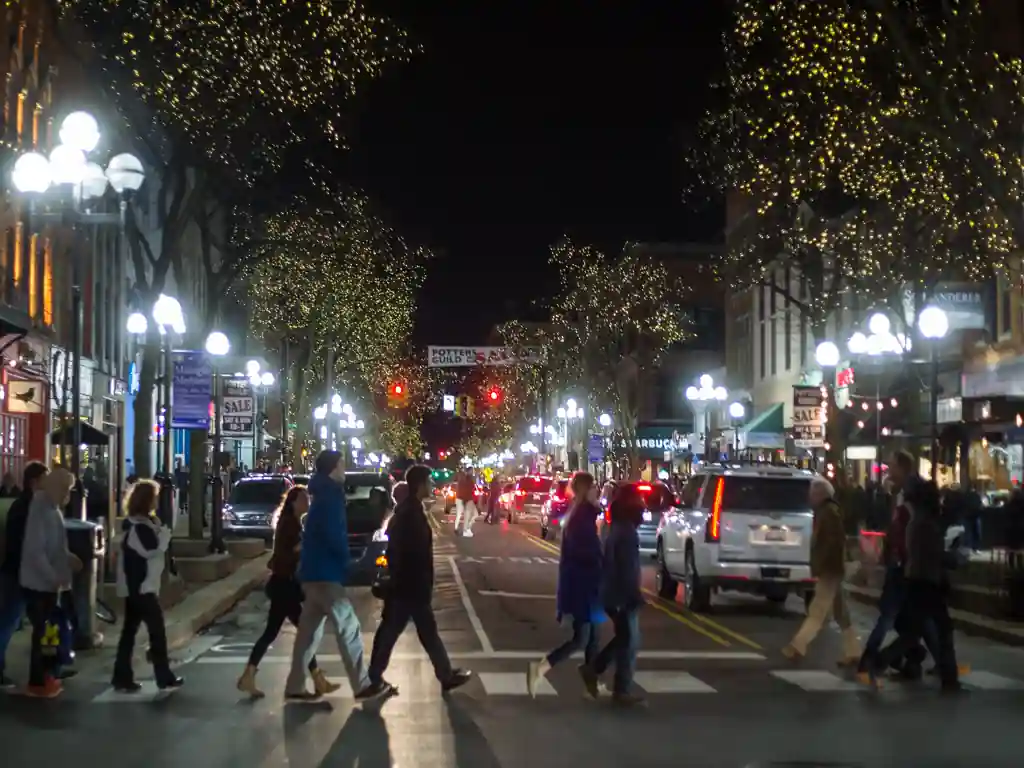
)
(526, 119)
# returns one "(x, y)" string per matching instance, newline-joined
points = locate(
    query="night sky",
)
(525, 120)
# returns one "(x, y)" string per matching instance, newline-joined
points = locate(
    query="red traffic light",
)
(397, 389)
(495, 394)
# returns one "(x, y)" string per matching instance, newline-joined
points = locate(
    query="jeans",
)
(890, 602)
(139, 610)
(285, 605)
(327, 601)
(43, 652)
(584, 635)
(12, 608)
(621, 649)
(396, 615)
(926, 603)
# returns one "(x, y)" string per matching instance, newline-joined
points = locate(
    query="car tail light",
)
(715, 521)
(644, 488)
(608, 516)
(520, 492)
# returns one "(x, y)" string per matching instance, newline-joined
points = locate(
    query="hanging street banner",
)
(808, 430)
(470, 357)
(238, 409)
(192, 388)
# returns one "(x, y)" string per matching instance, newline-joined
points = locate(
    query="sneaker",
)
(589, 677)
(172, 682)
(791, 653)
(459, 678)
(51, 689)
(628, 700)
(128, 687)
(375, 690)
(468, 534)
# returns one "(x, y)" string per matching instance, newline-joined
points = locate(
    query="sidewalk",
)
(184, 621)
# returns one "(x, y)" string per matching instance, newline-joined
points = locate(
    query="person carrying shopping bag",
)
(46, 570)
(622, 599)
(828, 566)
(285, 592)
(579, 581)
(140, 567)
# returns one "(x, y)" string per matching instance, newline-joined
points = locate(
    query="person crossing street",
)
(465, 504)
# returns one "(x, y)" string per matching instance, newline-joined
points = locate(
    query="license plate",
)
(775, 536)
(648, 517)
(775, 573)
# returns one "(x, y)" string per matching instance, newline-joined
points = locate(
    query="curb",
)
(207, 604)
(967, 622)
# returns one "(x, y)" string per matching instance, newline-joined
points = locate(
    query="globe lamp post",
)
(934, 325)
(217, 346)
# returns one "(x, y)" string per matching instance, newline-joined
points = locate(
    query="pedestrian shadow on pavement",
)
(472, 750)
(363, 742)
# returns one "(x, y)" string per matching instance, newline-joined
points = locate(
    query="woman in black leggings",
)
(284, 591)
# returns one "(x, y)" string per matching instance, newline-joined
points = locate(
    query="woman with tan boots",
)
(284, 591)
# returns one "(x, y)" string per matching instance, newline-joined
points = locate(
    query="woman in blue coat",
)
(579, 580)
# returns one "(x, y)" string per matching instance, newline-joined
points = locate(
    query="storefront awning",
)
(770, 420)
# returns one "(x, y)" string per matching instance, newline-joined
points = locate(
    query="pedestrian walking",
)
(927, 586)
(828, 566)
(140, 567)
(465, 503)
(579, 581)
(285, 592)
(12, 602)
(46, 570)
(410, 588)
(323, 572)
(622, 598)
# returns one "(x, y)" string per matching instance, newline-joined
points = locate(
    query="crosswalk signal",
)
(464, 407)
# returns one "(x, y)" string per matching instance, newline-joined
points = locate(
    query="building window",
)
(48, 282)
(33, 276)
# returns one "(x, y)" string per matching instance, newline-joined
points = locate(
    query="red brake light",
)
(643, 488)
(608, 516)
(715, 521)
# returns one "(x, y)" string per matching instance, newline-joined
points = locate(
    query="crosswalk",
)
(416, 681)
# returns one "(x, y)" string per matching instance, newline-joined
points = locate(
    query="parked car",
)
(530, 494)
(744, 529)
(507, 500)
(552, 513)
(368, 507)
(249, 510)
(659, 501)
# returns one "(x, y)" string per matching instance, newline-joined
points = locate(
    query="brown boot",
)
(247, 683)
(321, 684)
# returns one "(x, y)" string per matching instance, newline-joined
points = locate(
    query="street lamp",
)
(217, 346)
(169, 320)
(736, 413)
(827, 356)
(700, 400)
(934, 325)
(261, 383)
(68, 170)
(604, 420)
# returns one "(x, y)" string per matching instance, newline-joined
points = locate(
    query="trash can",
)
(86, 540)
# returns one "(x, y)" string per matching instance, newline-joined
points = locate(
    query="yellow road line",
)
(705, 620)
(549, 547)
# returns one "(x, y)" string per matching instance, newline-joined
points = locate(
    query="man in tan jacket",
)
(828, 566)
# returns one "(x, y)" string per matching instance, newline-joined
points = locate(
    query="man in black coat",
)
(410, 586)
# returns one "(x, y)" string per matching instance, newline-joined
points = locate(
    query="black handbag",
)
(381, 586)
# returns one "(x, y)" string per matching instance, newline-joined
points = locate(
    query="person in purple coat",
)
(579, 581)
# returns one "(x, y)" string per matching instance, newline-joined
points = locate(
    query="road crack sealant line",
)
(713, 630)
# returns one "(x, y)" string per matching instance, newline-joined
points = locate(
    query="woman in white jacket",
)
(46, 570)
(140, 567)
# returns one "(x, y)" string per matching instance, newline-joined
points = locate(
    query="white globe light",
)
(93, 183)
(217, 344)
(254, 379)
(80, 131)
(267, 379)
(137, 324)
(692, 393)
(877, 344)
(570, 404)
(858, 344)
(252, 367)
(706, 382)
(736, 410)
(560, 413)
(604, 420)
(167, 314)
(827, 355)
(67, 164)
(31, 173)
(933, 322)
(879, 324)
(720, 393)
(125, 173)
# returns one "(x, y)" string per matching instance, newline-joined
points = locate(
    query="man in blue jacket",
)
(323, 571)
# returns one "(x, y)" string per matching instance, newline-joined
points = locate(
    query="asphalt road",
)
(719, 693)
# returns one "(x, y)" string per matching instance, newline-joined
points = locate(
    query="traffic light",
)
(494, 396)
(398, 395)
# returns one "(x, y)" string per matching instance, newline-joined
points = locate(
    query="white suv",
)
(742, 528)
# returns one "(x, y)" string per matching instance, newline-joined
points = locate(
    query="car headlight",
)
(380, 535)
